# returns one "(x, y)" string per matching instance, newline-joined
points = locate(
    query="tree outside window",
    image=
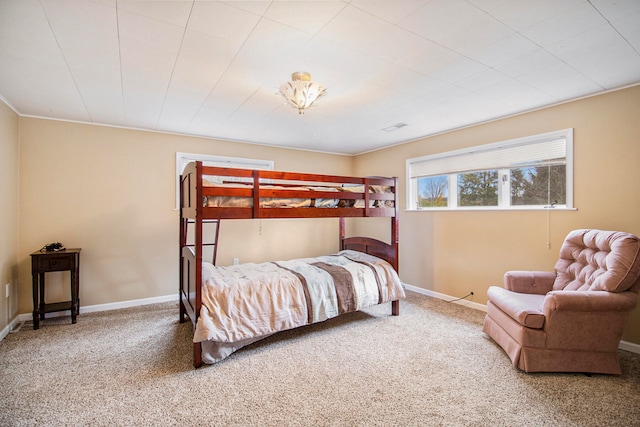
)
(478, 188)
(433, 191)
(539, 185)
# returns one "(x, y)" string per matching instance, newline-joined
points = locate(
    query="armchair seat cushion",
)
(526, 309)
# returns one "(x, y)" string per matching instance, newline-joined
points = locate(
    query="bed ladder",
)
(211, 238)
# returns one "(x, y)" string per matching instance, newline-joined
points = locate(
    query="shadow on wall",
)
(417, 264)
(123, 258)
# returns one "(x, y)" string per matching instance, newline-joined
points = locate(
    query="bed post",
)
(256, 193)
(395, 305)
(395, 308)
(180, 246)
(197, 354)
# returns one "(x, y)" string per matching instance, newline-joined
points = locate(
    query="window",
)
(182, 159)
(531, 172)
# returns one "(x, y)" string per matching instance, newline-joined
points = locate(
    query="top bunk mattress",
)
(351, 196)
(217, 193)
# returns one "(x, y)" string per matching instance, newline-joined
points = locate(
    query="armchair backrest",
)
(592, 260)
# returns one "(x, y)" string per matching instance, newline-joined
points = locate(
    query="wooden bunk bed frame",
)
(194, 213)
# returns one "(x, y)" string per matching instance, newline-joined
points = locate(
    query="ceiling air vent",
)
(395, 127)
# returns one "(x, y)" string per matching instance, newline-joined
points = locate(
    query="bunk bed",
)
(208, 295)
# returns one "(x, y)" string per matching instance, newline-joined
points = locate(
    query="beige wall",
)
(9, 212)
(111, 192)
(457, 252)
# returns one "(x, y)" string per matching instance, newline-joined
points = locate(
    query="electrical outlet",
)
(7, 290)
(236, 261)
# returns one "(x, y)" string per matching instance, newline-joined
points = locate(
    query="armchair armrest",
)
(586, 320)
(529, 282)
(589, 301)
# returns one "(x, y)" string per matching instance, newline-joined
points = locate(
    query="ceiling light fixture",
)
(301, 92)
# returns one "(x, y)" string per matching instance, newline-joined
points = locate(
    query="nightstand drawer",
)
(54, 263)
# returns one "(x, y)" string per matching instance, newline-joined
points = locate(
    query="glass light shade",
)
(301, 92)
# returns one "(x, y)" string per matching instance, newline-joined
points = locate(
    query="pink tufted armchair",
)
(570, 320)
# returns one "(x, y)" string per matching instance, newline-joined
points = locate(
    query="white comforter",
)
(243, 303)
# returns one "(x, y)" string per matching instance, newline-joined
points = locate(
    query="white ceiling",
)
(212, 68)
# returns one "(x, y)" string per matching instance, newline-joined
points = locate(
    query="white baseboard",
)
(10, 327)
(94, 308)
(21, 318)
(447, 298)
(629, 346)
(624, 345)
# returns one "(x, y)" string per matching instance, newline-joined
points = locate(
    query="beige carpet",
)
(432, 365)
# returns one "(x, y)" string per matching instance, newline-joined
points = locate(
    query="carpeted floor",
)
(430, 366)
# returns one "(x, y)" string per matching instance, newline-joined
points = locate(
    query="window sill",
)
(492, 208)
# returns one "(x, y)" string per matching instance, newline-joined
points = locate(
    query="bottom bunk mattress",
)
(244, 303)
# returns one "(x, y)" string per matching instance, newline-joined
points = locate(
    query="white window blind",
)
(182, 159)
(553, 149)
(492, 156)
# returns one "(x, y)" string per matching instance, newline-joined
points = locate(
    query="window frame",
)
(504, 196)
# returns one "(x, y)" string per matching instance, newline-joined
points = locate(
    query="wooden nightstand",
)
(43, 262)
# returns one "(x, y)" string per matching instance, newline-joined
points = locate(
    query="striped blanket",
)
(243, 303)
